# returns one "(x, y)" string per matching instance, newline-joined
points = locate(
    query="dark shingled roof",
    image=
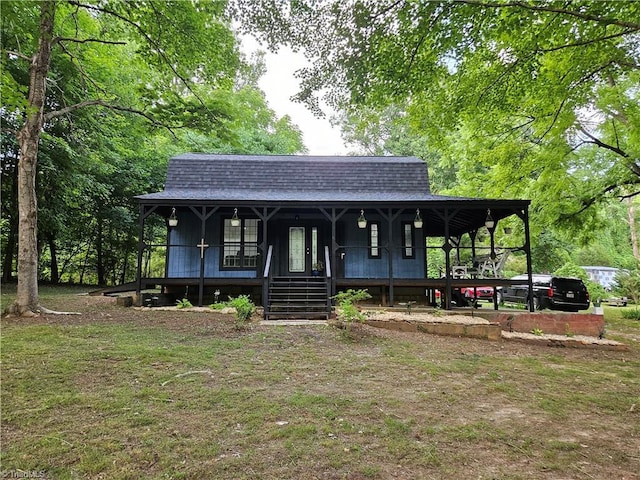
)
(291, 178)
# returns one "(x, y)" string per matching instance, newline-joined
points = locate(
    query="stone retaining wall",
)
(485, 330)
(557, 323)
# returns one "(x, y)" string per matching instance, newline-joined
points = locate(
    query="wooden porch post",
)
(390, 217)
(203, 215)
(264, 248)
(333, 217)
(265, 216)
(334, 252)
(524, 215)
(203, 229)
(390, 252)
(447, 262)
(143, 216)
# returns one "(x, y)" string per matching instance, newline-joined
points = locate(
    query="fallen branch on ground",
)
(14, 311)
(46, 311)
(192, 372)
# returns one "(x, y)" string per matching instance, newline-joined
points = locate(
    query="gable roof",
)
(197, 178)
(202, 177)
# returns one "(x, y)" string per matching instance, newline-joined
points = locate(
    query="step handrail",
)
(327, 261)
(267, 263)
(266, 281)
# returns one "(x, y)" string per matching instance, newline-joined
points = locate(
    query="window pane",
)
(375, 251)
(231, 250)
(250, 257)
(232, 255)
(251, 230)
(408, 240)
(240, 249)
(231, 234)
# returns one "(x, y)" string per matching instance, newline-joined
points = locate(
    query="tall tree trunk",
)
(28, 139)
(632, 227)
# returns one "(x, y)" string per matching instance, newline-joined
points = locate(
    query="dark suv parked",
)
(555, 293)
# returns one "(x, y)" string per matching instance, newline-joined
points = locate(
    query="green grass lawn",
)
(120, 393)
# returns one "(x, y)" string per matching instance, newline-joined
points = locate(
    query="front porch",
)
(202, 259)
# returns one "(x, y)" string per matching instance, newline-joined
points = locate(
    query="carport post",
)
(527, 249)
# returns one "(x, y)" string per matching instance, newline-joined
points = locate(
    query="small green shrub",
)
(631, 314)
(218, 306)
(184, 303)
(567, 330)
(348, 309)
(537, 331)
(244, 307)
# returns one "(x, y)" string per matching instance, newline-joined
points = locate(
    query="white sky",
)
(279, 85)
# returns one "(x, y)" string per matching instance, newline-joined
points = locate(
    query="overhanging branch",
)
(102, 103)
(600, 143)
(591, 41)
(147, 38)
(89, 40)
(541, 7)
(588, 202)
(629, 195)
(18, 55)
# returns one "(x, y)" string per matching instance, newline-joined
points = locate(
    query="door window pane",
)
(314, 246)
(296, 250)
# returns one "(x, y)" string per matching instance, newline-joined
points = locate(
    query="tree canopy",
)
(96, 97)
(534, 99)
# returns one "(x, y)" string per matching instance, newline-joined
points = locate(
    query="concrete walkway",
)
(292, 322)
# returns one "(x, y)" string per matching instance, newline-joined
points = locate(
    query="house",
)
(605, 276)
(291, 231)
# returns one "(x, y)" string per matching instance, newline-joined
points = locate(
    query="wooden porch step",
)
(298, 297)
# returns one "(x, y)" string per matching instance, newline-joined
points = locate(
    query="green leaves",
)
(130, 84)
(521, 99)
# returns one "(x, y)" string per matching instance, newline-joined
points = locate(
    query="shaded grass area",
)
(122, 393)
(617, 323)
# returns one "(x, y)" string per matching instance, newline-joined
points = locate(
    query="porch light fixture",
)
(490, 223)
(173, 219)
(417, 222)
(235, 221)
(362, 222)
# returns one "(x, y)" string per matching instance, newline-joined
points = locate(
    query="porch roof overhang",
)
(464, 214)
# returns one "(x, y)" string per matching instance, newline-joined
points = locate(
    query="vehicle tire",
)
(536, 304)
(499, 298)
